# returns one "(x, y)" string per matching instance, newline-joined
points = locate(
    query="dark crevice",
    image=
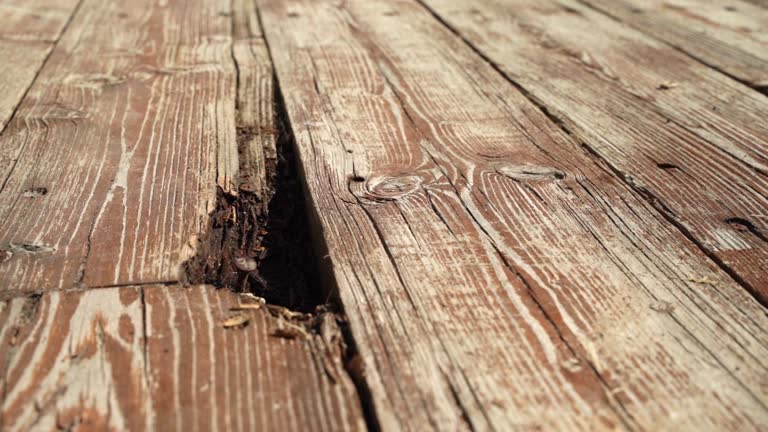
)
(353, 366)
(259, 241)
(266, 241)
(649, 197)
(145, 336)
(745, 225)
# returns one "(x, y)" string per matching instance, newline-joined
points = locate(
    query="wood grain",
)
(728, 36)
(129, 128)
(29, 31)
(211, 378)
(687, 138)
(35, 20)
(81, 360)
(255, 100)
(21, 61)
(73, 360)
(495, 275)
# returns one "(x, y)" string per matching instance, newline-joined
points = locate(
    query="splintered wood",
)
(530, 215)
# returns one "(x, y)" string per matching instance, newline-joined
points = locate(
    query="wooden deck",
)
(414, 215)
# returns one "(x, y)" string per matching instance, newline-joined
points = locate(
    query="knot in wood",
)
(390, 188)
(528, 172)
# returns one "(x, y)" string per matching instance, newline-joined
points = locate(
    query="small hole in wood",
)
(667, 166)
(358, 179)
(35, 192)
(293, 14)
(740, 224)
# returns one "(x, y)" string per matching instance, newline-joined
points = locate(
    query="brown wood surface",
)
(536, 214)
(159, 358)
(126, 127)
(35, 20)
(685, 148)
(496, 275)
(121, 144)
(730, 36)
(29, 30)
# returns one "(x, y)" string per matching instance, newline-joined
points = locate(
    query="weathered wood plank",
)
(687, 137)
(73, 360)
(255, 101)
(453, 208)
(128, 129)
(210, 378)
(29, 29)
(21, 61)
(81, 360)
(35, 20)
(729, 36)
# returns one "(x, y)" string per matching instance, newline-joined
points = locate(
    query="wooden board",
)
(728, 36)
(683, 146)
(128, 129)
(29, 30)
(452, 207)
(35, 20)
(159, 358)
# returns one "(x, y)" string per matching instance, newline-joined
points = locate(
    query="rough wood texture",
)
(73, 359)
(21, 61)
(127, 127)
(35, 20)
(211, 378)
(452, 207)
(79, 360)
(730, 36)
(689, 139)
(29, 29)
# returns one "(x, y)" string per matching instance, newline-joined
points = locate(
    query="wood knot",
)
(528, 172)
(390, 188)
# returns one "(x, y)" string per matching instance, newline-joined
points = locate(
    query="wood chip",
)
(238, 320)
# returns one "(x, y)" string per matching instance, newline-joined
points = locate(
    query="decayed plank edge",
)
(301, 75)
(729, 58)
(159, 358)
(742, 220)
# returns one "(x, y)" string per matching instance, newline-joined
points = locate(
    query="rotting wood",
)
(260, 242)
(696, 151)
(730, 37)
(435, 182)
(81, 360)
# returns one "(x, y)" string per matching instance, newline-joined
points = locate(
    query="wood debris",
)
(239, 320)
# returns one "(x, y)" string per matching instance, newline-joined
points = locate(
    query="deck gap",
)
(267, 243)
(259, 241)
(352, 360)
